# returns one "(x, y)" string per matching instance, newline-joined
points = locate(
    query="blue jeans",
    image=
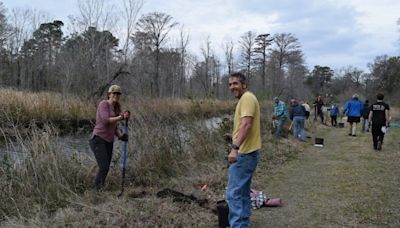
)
(298, 122)
(281, 122)
(238, 192)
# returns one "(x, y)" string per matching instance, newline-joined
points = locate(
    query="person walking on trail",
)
(280, 115)
(365, 116)
(354, 109)
(333, 114)
(297, 115)
(318, 104)
(379, 116)
(107, 117)
(244, 154)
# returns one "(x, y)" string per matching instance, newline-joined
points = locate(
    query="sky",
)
(334, 33)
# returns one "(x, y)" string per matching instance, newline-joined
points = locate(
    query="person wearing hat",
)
(379, 117)
(107, 117)
(279, 115)
(354, 109)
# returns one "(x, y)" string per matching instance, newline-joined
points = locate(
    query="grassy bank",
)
(169, 147)
(71, 114)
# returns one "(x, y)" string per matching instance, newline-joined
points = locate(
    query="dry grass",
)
(43, 106)
(395, 113)
(71, 114)
(175, 106)
(42, 178)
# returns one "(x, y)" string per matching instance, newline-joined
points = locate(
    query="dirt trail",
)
(344, 184)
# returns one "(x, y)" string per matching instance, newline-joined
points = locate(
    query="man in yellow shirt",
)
(244, 155)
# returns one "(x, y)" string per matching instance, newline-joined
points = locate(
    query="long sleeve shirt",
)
(103, 128)
(280, 110)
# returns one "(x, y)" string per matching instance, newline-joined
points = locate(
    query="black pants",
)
(334, 120)
(377, 134)
(103, 153)
(321, 115)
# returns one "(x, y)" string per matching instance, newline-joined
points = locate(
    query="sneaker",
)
(349, 134)
(379, 146)
(354, 135)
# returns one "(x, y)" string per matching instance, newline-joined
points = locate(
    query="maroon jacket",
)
(103, 128)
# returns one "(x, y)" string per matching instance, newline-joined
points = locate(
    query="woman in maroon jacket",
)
(107, 117)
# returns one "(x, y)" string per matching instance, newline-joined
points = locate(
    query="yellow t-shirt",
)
(248, 106)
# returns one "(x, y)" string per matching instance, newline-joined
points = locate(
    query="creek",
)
(79, 143)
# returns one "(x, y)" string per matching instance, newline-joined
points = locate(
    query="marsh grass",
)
(21, 108)
(71, 114)
(42, 178)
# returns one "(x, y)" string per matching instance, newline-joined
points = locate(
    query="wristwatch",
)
(235, 147)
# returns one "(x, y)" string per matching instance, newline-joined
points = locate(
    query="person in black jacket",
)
(297, 115)
(365, 116)
(318, 104)
(379, 116)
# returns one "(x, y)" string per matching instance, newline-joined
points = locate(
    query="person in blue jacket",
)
(297, 114)
(334, 111)
(354, 109)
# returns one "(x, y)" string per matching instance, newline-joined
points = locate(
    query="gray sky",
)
(335, 33)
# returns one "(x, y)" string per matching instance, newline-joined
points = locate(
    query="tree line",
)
(150, 58)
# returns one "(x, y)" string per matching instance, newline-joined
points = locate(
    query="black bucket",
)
(319, 141)
(223, 213)
(341, 125)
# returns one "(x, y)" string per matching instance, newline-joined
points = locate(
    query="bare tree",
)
(205, 77)
(285, 45)
(246, 43)
(261, 44)
(156, 27)
(96, 13)
(183, 43)
(38, 17)
(296, 75)
(131, 11)
(4, 27)
(19, 21)
(354, 75)
(228, 51)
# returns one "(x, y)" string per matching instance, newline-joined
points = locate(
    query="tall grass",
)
(20, 108)
(42, 177)
(71, 114)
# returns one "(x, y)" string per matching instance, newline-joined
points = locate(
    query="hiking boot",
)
(349, 134)
(354, 135)
(379, 146)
